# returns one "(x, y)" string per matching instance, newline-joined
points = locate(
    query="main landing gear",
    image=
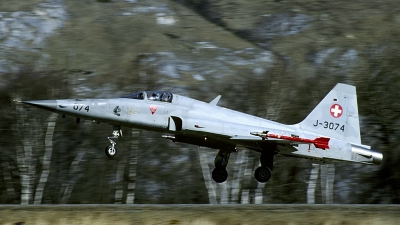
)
(262, 173)
(110, 150)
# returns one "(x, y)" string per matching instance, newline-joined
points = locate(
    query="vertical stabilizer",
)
(336, 115)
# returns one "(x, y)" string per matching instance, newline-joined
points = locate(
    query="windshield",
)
(138, 95)
(159, 96)
(152, 96)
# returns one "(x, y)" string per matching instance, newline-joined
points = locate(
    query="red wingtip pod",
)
(321, 142)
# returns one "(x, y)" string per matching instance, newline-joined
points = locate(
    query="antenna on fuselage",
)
(215, 101)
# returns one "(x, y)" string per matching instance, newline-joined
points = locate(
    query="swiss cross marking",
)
(153, 109)
(336, 110)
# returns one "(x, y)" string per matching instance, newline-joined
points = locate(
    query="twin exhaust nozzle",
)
(368, 154)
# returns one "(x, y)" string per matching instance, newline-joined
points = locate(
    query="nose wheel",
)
(110, 150)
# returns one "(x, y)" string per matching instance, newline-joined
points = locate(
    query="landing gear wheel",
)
(111, 151)
(219, 175)
(262, 174)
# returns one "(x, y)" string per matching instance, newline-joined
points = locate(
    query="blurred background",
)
(274, 59)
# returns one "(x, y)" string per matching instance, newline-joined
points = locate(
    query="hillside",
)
(273, 59)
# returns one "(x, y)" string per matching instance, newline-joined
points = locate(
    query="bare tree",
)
(237, 180)
(327, 176)
(203, 157)
(7, 179)
(247, 179)
(133, 160)
(51, 124)
(312, 183)
(74, 170)
(69, 184)
(119, 187)
(26, 129)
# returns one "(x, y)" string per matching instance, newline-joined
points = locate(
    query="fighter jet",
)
(330, 133)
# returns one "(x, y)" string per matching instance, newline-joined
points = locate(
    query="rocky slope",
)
(274, 59)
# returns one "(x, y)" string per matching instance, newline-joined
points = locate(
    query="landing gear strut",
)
(110, 150)
(263, 173)
(219, 174)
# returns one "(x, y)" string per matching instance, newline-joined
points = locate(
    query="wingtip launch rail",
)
(319, 142)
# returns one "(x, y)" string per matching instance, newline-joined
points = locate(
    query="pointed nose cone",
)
(50, 105)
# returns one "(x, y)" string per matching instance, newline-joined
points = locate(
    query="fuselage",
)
(196, 122)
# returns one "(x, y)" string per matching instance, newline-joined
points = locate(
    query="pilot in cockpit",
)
(140, 95)
(155, 96)
(166, 97)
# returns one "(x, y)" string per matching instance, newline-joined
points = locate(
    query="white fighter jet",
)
(330, 133)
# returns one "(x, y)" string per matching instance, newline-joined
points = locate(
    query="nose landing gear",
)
(110, 150)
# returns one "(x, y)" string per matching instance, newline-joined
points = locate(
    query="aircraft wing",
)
(259, 139)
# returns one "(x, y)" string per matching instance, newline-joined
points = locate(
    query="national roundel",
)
(336, 110)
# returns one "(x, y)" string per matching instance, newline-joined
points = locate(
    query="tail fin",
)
(336, 116)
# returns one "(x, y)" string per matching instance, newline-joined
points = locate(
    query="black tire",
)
(219, 175)
(262, 174)
(111, 151)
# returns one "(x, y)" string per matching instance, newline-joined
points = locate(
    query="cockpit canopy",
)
(152, 96)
